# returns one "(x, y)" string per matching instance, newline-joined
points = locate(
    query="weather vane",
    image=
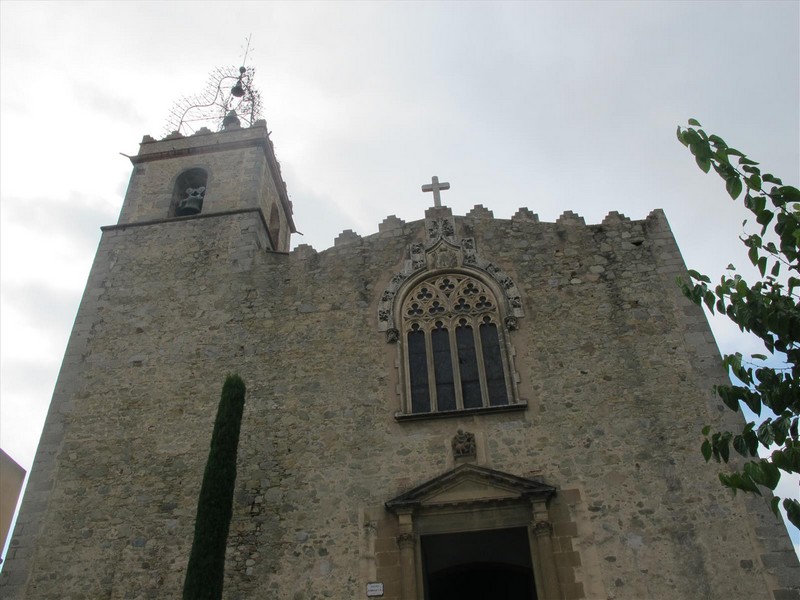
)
(229, 99)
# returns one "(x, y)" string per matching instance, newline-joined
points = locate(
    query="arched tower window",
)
(275, 227)
(190, 190)
(454, 356)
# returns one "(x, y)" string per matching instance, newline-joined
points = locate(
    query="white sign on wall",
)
(374, 589)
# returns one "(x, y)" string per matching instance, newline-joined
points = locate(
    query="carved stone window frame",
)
(450, 318)
(444, 253)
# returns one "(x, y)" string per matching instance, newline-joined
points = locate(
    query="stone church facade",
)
(459, 406)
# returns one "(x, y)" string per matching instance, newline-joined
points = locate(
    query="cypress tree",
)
(206, 571)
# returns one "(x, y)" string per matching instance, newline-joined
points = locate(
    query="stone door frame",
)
(473, 498)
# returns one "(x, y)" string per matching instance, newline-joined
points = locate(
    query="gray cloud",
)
(101, 100)
(76, 217)
(43, 307)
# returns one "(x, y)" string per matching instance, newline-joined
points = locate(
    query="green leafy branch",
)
(768, 309)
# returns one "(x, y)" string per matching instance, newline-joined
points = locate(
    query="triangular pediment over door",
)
(470, 484)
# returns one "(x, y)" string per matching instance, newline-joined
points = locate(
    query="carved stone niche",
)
(464, 445)
(471, 499)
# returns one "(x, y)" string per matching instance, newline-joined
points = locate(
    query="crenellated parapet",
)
(614, 224)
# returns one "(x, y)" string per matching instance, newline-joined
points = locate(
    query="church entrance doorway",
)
(478, 565)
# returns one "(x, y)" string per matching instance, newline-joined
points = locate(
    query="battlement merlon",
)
(205, 141)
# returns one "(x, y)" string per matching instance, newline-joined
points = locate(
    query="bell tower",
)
(195, 172)
(206, 221)
(206, 174)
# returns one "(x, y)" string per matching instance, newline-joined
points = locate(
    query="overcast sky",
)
(552, 106)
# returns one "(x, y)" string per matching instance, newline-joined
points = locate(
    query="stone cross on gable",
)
(434, 186)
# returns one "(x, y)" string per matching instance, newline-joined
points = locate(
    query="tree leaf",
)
(790, 192)
(764, 216)
(706, 450)
(752, 254)
(731, 401)
(717, 141)
(699, 276)
(681, 138)
(753, 401)
(752, 443)
(740, 445)
(769, 308)
(754, 182)
(724, 450)
(773, 504)
(734, 186)
(792, 508)
(764, 433)
(771, 474)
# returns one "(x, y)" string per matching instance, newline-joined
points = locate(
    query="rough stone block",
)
(347, 238)
(615, 218)
(303, 251)
(525, 214)
(570, 218)
(479, 212)
(389, 223)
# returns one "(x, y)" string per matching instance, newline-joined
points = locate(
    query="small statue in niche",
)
(511, 322)
(464, 443)
(192, 204)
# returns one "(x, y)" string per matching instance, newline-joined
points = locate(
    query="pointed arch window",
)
(455, 356)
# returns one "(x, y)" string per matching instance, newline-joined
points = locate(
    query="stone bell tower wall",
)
(117, 455)
(242, 173)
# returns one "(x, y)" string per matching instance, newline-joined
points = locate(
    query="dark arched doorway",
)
(480, 565)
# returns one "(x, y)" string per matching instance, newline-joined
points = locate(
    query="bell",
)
(231, 120)
(237, 90)
(189, 206)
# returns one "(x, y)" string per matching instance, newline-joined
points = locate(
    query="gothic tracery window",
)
(454, 355)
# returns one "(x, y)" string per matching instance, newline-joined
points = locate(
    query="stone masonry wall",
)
(615, 366)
